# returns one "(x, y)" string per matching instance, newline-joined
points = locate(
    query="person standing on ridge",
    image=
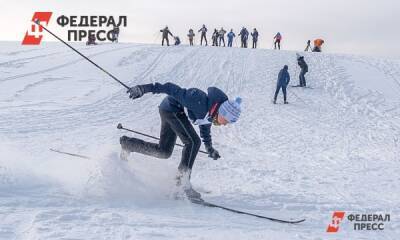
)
(230, 36)
(190, 36)
(215, 38)
(308, 46)
(254, 34)
(304, 69)
(203, 109)
(165, 33)
(203, 31)
(317, 45)
(278, 38)
(244, 34)
(221, 36)
(283, 81)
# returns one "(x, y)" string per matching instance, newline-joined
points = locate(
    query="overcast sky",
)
(367, 27)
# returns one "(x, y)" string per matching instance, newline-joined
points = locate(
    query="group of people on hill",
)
(218, 38)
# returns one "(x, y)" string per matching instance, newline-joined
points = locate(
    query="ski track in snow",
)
(334, 147)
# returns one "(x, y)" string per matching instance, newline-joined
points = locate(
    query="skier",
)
(221, 36)
(215, 37)
(278, 38)
(304, 69)
(317, 45)
(191, 35)
(308, 46)
(203, 31)
(230, 36)
(165, 33)
(177, 41)
(115, 34)
(204, 109)
(244, 34)
(283, 81)
(254, 34)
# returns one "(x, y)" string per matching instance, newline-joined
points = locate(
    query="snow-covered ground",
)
(334, 147)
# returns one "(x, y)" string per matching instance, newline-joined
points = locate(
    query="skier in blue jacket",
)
(203, 109)
(283, 81)
(230, 36)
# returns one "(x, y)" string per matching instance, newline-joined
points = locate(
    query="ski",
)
(301, 86)
(208, 204)
(70, 154)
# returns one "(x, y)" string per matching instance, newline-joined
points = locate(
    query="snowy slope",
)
(334, 147)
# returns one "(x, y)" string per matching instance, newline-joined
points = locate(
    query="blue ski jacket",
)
(197, 103)
(230, 36)
(283, 77)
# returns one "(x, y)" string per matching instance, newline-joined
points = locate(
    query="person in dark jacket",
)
(230, 36)
(254, 34)
(221, 36)
(115, 34)
(91, 40)
(203, 31)
(177, 41)
(215, 37)
(191, 36)
(244, 35)
(203, 109)
(283, 81)
(304, 69)
(308, 47)
(165, 33)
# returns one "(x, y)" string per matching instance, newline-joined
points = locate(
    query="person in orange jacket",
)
(317, 45)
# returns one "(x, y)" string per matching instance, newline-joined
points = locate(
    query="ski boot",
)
(124, 154)
(286, 102)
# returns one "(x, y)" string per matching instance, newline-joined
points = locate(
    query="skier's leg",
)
(276, 92)
(167, 41)
(284, 93)
(164, 147)
(162, 42)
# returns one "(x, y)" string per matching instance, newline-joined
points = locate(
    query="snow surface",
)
(334, 147)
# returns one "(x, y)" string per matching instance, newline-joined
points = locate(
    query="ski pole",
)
(119, 126)
(109, 74)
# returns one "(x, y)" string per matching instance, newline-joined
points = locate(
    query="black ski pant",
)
(221, 39)
(191, 42)
(203, 35)
(278, 87)
(279, 44)
(302, 78)
(172, 125)
(165, 38)
(254, 44)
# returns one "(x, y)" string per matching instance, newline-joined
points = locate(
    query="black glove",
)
(135, 92)
(212, 153)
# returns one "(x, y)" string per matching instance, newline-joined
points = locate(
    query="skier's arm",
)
(170, 33)
(205, 135)
(287, 79)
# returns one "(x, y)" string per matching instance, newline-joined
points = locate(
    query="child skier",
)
(203, 109)
(283, 81)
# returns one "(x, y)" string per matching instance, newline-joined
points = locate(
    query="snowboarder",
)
(308, 46)
(203, 31)
(91, 40)
(230, 36)
(278, 38)
(317, 45)
(304, 69)
(215, 37)
(221, 36)
(190, 36)
(254, 34)
(165, 33)
(177, 41)
(244, 34)
(203, 109)
(283, 81)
